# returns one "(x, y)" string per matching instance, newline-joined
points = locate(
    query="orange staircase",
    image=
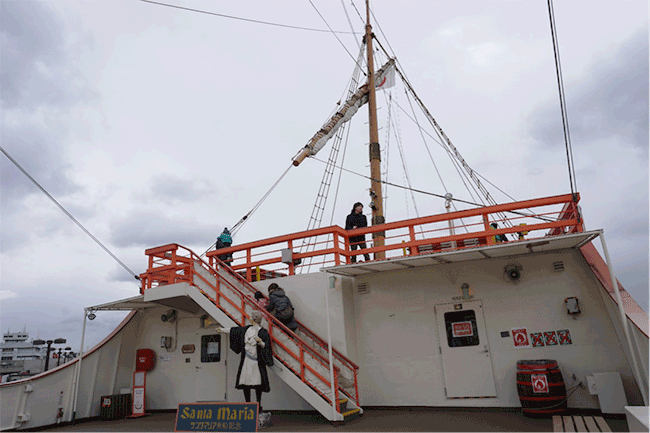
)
(304, 356)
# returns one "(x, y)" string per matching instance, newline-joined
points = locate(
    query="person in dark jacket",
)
(356, 220)
(224, 241)
(280, 306)
(254, 344)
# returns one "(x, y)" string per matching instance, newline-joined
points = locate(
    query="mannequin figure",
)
(254, 345)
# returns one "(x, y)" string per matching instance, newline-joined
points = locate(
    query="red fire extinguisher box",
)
(144, 359)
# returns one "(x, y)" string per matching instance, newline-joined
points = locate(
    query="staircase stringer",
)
(306, 379)
(283, 373)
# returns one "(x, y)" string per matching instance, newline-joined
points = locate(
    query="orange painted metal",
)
(334, 252)
(632, 310)
(167, 267)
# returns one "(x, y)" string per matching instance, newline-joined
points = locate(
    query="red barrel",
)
(540, 387)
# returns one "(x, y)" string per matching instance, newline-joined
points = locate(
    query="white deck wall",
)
(390, 332)
(398, 342)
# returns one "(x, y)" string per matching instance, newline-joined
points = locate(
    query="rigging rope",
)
(243, 219)
(69, 215)
(334, 33)
(433, 194)
(244, 19)
(565, 115)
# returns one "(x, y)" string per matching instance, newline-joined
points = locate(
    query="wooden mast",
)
(377, 202)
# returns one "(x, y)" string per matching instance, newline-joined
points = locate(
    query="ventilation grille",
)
(558, 266)
(363, 288)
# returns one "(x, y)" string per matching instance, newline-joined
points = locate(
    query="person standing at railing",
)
(357, 220)
(254, 344)
(224, 241)
(498, 238)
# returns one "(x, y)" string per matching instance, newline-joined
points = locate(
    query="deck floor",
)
(414, 419)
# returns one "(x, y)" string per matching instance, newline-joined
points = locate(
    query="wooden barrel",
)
(540, 387)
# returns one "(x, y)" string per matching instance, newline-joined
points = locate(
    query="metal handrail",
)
(181, 269)
(553, 223)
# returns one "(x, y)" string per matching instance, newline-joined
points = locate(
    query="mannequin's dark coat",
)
(264, 355)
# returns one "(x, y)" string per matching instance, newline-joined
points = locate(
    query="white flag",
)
(386, 79)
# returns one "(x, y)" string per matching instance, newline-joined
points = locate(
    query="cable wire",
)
(334, 33)
(565, 115)
(69, 214)
(433, 194)
(235, 228)
(247, 19)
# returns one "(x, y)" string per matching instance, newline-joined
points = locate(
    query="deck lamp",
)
(49, 348)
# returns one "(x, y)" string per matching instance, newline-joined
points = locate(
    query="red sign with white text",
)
(520, 337)
(462, 329)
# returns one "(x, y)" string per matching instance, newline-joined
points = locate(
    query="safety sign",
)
(462, 329)
(550, 338)
(537, 338)
(565, 336)
(520, 337)
(540, 383)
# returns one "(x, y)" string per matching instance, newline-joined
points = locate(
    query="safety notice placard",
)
(520, 337)
(462, 329)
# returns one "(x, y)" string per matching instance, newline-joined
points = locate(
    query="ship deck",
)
(376, 419)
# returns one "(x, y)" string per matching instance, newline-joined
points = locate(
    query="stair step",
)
(343, 400)
(351, 412)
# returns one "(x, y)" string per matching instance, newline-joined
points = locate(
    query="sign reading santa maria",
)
(462, 329)
(222, 417)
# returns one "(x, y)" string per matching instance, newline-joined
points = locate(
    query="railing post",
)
(336, 393)
(348, 259)
(412, 238)
(337, 254)
(292, 267)
(486, 224)
(302, 363)
(356, 387)
(249, 275)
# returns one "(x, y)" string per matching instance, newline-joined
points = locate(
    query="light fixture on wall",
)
(464, 288)
(169, 317)
(512, 272)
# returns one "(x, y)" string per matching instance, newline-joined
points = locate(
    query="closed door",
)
(210, 368)
(466, 359)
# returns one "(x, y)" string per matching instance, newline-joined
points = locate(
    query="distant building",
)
(19, 355)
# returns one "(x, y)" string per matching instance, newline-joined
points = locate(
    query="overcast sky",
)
(154, 125)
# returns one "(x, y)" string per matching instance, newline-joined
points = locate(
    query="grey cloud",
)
(171, 186)
(120, 274)
(152, 229)
(33, 56)
(611, 101)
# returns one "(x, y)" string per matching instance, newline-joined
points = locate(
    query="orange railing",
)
(525, 220)
(234, 296)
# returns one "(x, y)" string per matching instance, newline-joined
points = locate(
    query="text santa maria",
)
(223, 417)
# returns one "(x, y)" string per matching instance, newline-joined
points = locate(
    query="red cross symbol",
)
(551, 338)
(565, 336)
(538, 339)
(540, 383)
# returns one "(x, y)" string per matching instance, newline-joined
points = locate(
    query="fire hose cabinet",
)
(115, 406)
(144, 359)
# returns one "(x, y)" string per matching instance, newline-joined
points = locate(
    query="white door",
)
(210, 366)
(465, 351)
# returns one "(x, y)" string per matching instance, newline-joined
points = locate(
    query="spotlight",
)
(91, 316)
(169, 317)
(512, 272)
